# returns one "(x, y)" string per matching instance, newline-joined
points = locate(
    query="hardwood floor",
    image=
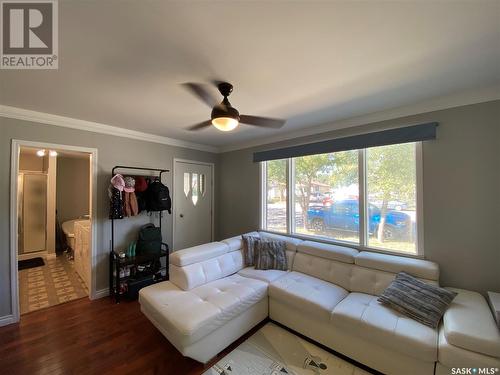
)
(92, 337)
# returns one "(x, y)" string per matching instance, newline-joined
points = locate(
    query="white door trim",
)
(212, 198)
(14, 169)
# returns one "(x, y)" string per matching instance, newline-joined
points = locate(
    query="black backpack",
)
(158, 197)
(149, 240)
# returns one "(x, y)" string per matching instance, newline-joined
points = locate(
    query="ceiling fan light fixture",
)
(225, 124)
(224, 116)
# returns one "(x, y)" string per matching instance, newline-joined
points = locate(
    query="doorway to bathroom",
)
(52, 233)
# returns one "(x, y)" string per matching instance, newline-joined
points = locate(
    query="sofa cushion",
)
(328, 251)
(367, 318)
(307, 293)
(338, 273)
(420, 268)
(264, 275)
(194, 314)
(196, 274)
(423, 302)
(469, 324)
(234, 243)
(197, 254)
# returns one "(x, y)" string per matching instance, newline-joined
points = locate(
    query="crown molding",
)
(458, 99)
(95, 127)
(475, 96)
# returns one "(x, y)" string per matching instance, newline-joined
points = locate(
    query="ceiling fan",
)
(224, 116)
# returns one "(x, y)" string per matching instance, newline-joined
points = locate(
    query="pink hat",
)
(118, 182)
(129, 184)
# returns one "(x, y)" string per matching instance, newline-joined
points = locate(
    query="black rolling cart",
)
(129, 274)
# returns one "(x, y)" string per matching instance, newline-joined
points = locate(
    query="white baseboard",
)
(7, 319)
(101, 293)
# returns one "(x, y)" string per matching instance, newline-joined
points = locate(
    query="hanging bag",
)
(158, 197)
(149, 240)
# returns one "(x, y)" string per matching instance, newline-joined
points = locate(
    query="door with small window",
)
(193, 184)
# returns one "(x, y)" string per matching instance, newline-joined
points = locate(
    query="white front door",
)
(192, 204)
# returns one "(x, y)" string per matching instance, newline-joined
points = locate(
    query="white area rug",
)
(273, 350)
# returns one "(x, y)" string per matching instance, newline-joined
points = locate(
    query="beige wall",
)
(73, 183)
(111, 151)
(461, 177)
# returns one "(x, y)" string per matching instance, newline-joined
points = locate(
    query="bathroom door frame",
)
(14, 171)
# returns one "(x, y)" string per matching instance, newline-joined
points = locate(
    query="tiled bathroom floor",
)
(54, 283)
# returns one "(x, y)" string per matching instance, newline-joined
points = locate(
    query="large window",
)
(391, 188)
(276, 191)
(364, 197)
(326, 195)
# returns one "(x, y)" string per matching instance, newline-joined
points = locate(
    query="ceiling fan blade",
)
(201, 92)
(264, 122)
(216, 82)
(201, 125)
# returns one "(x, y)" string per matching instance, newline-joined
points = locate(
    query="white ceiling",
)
(121, 63)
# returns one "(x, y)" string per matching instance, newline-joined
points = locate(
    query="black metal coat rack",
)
(113, 172)
(157, 174)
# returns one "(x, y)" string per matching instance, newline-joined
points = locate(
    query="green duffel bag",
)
(149, 240)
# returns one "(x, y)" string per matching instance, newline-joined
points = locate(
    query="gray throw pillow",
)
(416, 299)
(270, 255)
(249, 249)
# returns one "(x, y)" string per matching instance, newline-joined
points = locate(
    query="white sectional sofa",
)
(329, 294)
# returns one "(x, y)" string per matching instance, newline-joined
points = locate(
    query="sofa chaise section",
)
(206, 305)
